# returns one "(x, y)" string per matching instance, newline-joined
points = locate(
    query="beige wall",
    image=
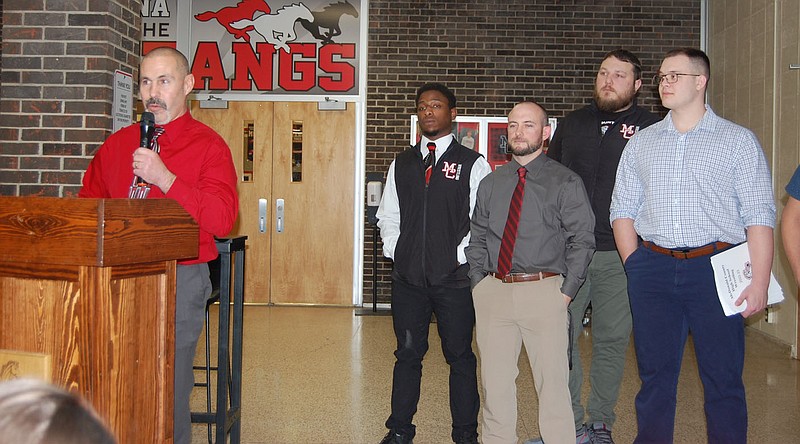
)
(751, 44)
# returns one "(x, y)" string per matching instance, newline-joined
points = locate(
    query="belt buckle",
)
(681, 254)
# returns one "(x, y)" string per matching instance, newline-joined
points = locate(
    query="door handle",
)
(279, 215)
(262, 215)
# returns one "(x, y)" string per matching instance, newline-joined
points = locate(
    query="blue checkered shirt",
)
(684, 190)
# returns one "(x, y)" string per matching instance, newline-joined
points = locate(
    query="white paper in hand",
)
(732, 274)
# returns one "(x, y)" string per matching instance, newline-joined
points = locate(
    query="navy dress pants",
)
(671, 298)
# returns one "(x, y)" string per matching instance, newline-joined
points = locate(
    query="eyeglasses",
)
(671, 77)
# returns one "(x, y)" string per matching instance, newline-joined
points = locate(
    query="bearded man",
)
(530, 244)
(589, 141)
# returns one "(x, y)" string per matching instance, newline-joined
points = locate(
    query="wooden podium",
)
(91, 284)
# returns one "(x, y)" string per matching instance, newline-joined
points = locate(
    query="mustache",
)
(155, 101)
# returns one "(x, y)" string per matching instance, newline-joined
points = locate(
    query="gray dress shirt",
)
(556, 227)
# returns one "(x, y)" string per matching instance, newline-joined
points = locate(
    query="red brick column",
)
(58, 63)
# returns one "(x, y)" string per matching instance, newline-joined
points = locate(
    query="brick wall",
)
(58, 63)
(496, 53)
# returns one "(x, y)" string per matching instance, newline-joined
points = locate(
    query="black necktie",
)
(430, 159)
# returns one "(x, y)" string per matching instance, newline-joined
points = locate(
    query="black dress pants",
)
(455, 319)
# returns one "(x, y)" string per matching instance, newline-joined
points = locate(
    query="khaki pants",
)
(507, 316)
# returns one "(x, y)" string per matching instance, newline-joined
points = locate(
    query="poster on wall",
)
(467, 133)
(497, 144)
(159, 24)
(244, 49)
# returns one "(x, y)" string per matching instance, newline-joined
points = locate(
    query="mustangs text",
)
(300, 69)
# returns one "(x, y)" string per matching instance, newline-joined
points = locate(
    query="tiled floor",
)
(323, 375)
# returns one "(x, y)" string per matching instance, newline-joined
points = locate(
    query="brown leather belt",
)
(523, 277)
(689, 253)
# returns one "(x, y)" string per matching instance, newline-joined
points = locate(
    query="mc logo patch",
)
(628, 131)
(452, 170)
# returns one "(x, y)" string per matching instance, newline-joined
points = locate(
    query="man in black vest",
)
(424, 220)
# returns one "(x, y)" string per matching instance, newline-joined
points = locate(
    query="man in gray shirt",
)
(531, 243)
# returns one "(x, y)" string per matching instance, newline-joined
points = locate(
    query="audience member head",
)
(34, 412)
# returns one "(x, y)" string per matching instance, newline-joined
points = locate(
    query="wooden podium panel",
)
(91, 282)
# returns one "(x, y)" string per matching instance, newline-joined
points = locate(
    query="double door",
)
(295, 166)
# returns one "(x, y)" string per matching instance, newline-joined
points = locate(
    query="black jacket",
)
(433, 219)
(579, 145)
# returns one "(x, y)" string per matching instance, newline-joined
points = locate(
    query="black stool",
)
(214, 270)
(226, 415)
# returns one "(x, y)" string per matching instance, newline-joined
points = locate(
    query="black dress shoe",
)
(396, 438)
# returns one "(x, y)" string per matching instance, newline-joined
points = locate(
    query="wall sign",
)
(260, 47)
(159, 24)
(123, 99)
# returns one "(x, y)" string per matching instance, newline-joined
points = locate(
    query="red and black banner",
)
(310, 47)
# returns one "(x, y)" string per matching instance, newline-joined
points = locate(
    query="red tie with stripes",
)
(139, 188)
(510, 232)
(430, 159)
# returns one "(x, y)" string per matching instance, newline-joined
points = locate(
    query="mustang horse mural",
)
(278, 28)
(329, 19)
(245, 9)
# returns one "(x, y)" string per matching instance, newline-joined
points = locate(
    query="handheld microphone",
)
(147, 127)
